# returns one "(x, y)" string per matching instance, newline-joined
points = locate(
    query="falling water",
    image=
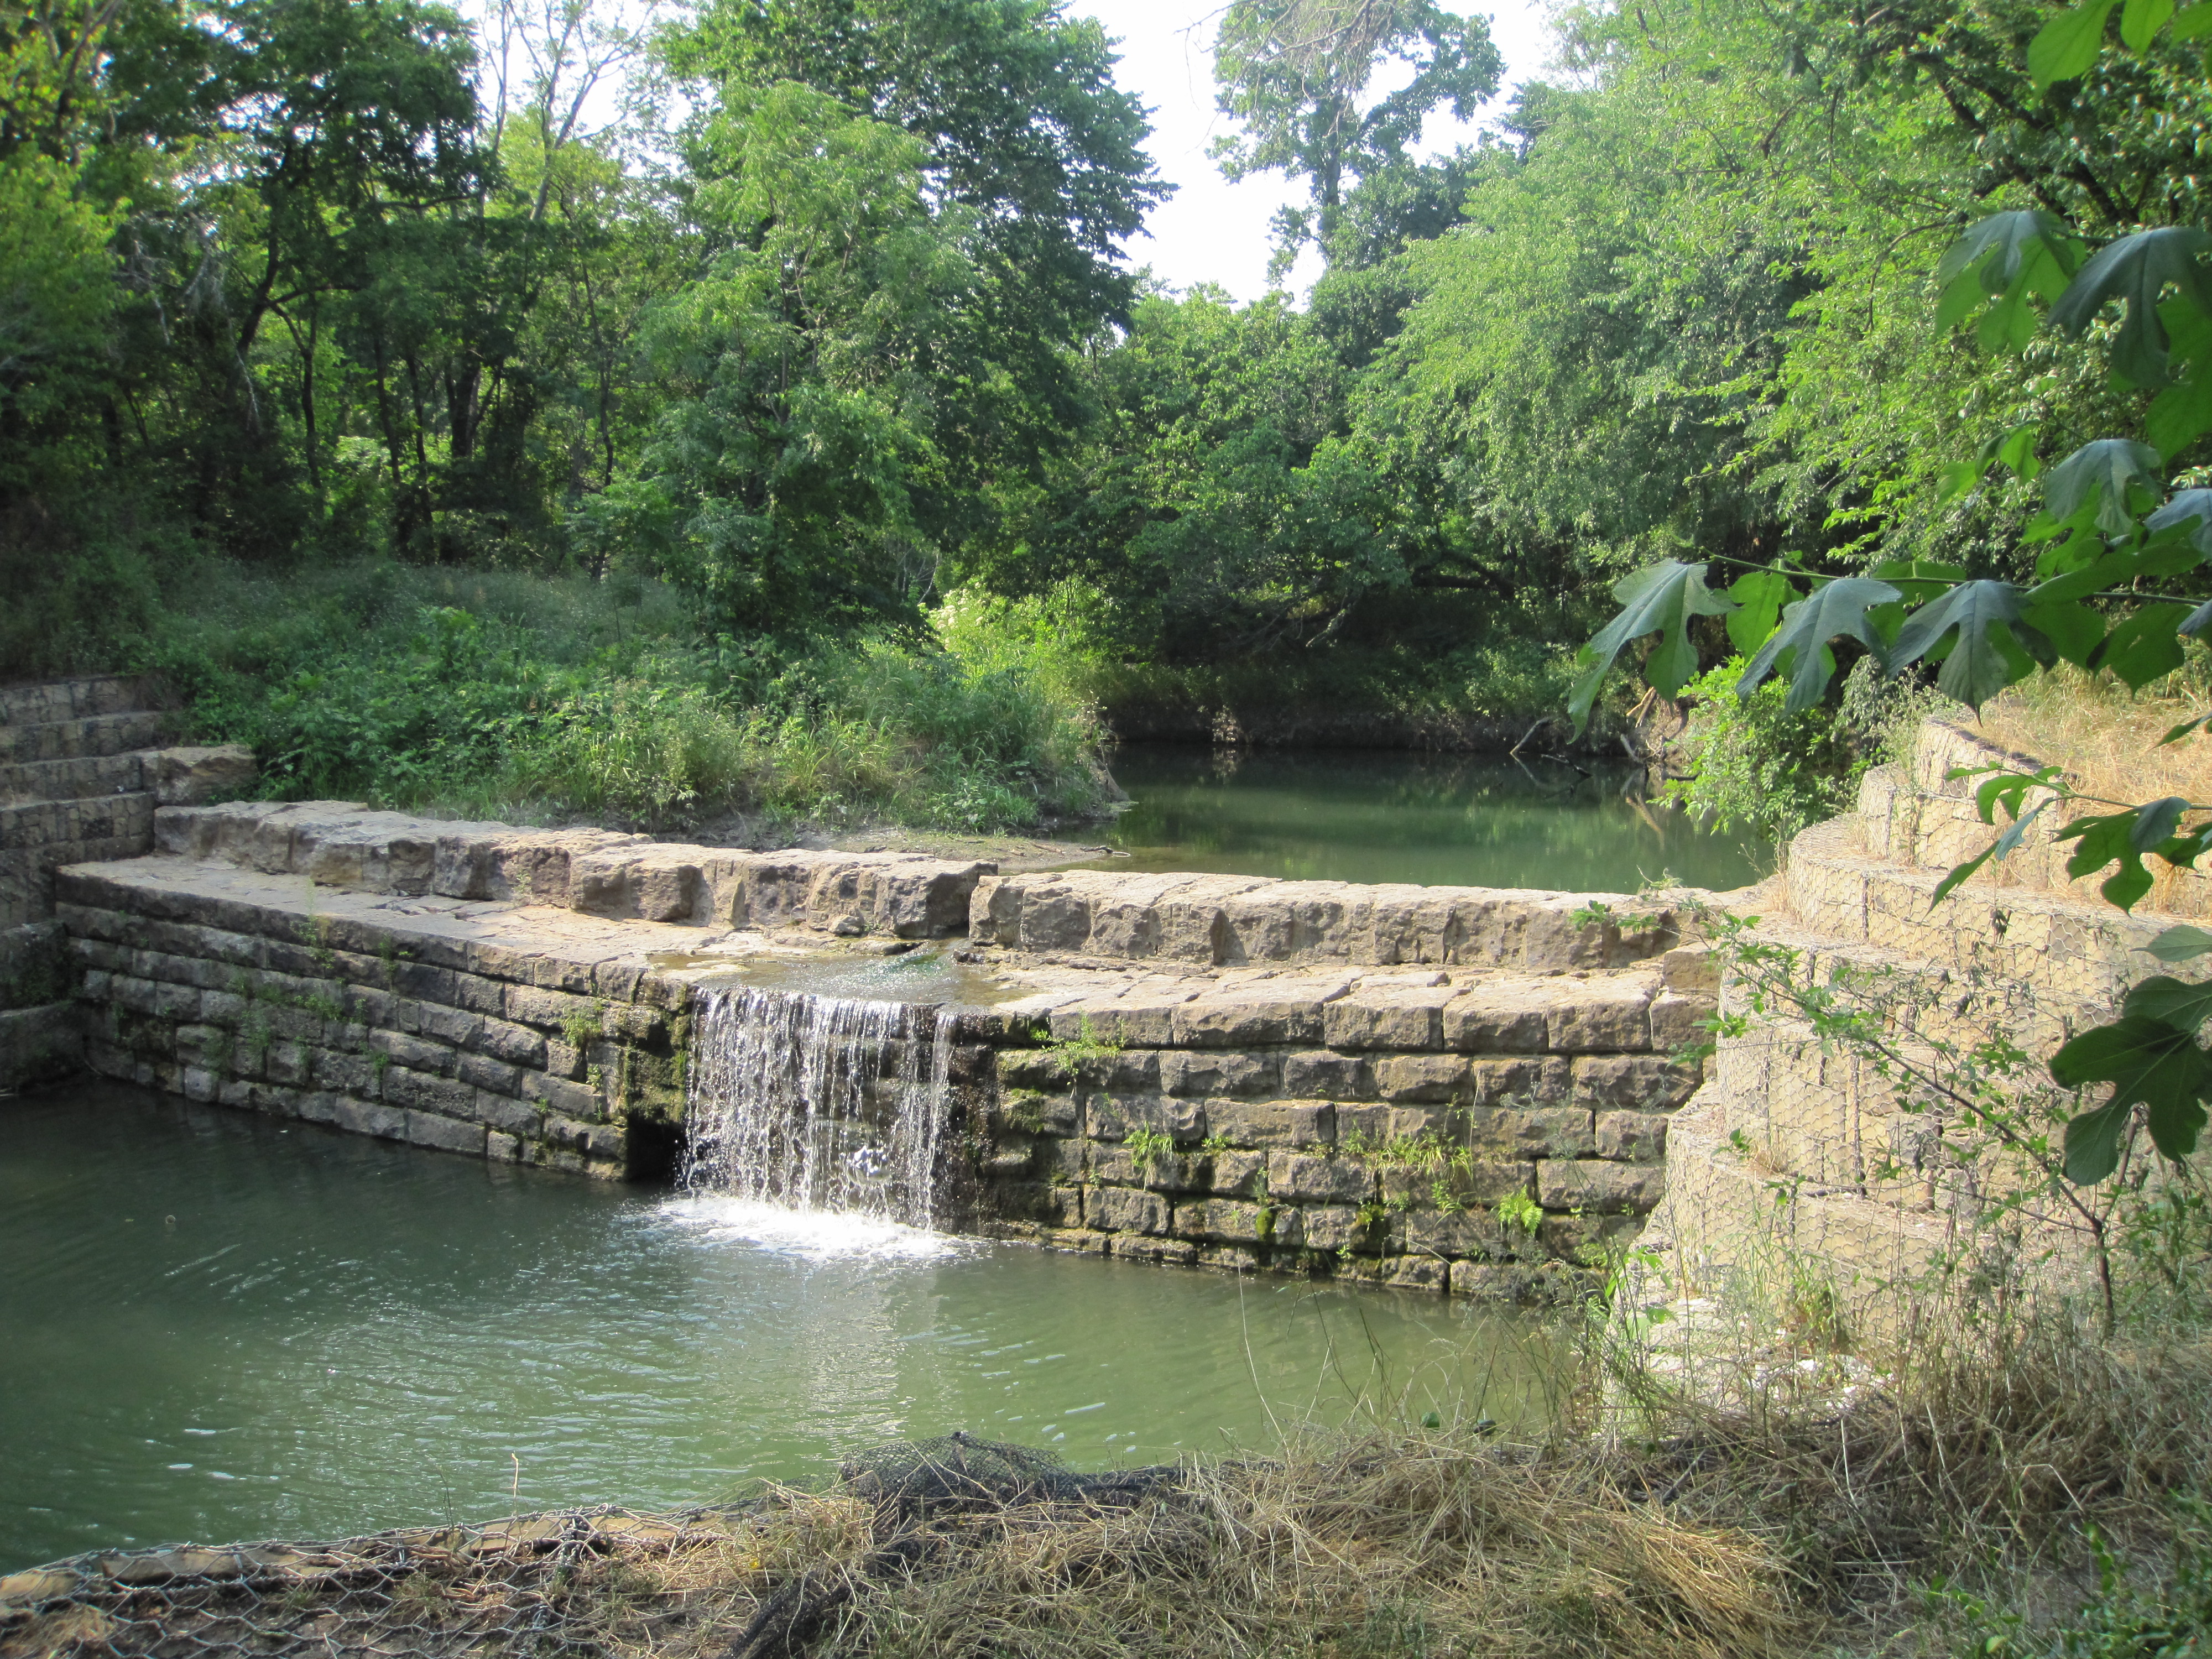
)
(827, 1104)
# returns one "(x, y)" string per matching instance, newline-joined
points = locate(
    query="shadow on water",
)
(220, 1326)
(1453, 820)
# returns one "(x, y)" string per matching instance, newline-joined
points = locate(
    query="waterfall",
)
(817, 1103)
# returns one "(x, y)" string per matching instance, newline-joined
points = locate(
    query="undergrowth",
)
(487, 693)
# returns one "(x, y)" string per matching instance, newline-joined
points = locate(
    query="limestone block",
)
(518, 1045)
(427, 1129)
(499, 1113)
(1423, 1079)
(1677, 1020)
(502, 1148)
(366, 1117)
(1320, 1074)
(1144, 1020)
(1326, 1227)
(1643, 1083)
(1431, 1234)
(573, 1100)
(1272, 1124)
(191, 776)
(1238, 1174)
(1588, 1237)
(1690, 968)
(1420, 1273)
(1530, 1132)
(1501, 1016)
(1219, 1072)
(1125, 1209)
(1114, 1117)
(1525, 1082)
(1631, 1137)
(1065, 1160)
(1248, 1013)
(1597, 1186)
(482, 1071)
(1605, 1015)
(447, 1096)
(1301, 1176)
(1382, 1015)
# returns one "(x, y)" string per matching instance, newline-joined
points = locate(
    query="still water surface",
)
(1354, 814)
(214, 1327)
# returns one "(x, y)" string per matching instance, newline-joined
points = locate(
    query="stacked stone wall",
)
(518, 1048)
(1470, 1132)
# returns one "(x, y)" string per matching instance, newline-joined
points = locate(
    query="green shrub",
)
(1753, 766)
(502, 695)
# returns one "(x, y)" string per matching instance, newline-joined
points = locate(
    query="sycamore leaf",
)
(1660, 600)
(2175, 1001)
(2181, 413)
(2141, 20)
(2180, 944)
(2065, 47)
(1833, 609)
(2143, 647)
(2193, 22)
(2103, 472)
(1761, 593)
(2192, 508)
(2123, 838)
(2137, 270)
(2002, 260)
(2147, 1061)
(2184, 730)
(1987, 657)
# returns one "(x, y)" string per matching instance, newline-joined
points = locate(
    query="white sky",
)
(1211, 230)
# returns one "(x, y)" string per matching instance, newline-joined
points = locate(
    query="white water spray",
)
(816, 1104)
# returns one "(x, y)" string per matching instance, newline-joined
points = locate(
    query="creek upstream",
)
(220, 1327)
(1446, 820)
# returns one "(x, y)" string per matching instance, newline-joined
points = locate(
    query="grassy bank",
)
(492, 694)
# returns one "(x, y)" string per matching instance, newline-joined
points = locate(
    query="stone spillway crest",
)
(818, 1102)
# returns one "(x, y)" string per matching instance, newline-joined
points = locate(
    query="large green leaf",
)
(1659, 600)
(2180, 944)
(1761, 594)
(2123, 838)
(2190, 511)
(1986, 658)
(2146, 1059)
(2106, 471)
(1834, 609)
(2005, 258)
(2176, 1001)
(2140, 20)
(2064, 47)
(2144, 648)
(2137, 270)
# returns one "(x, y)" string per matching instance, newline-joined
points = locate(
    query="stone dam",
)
(1189, 1069)
(1456, 1089)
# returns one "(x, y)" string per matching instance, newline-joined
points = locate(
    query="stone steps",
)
(93, 734)
(70, 700)
(1800, 1161)
(78, 777)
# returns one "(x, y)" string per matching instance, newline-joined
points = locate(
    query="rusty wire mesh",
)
(584, 1582)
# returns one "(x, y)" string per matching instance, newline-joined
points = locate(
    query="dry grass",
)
(1692, 1532)
(2106, 739)
(2109, 741)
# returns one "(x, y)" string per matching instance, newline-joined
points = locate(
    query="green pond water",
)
(1352, 815)
(214, 1327)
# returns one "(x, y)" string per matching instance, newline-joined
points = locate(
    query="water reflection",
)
(1352, 815)
(220, 1328)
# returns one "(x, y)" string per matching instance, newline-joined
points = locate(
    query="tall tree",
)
(1295, 73)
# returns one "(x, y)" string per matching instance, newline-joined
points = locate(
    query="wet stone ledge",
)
(1475, 1126)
